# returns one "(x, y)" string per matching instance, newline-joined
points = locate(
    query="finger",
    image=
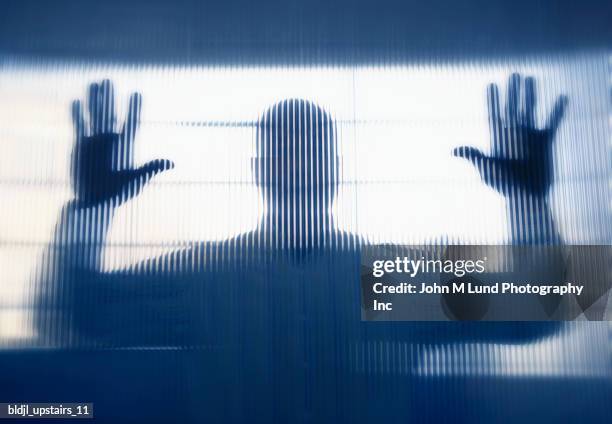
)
(530, 103)
(79, 130)
(77, 119)
(130, 127)
(513, 99)
(554, 120)
(133, 180)
(94, 112)
(467, 152)
(493, 106)
(495, 123)
(133, 116)
(155, 167)
(107, 107)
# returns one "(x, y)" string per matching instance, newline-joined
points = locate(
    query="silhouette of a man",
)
(296, 168)
(278, 307)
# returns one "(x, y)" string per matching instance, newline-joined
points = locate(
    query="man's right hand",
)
(520, 162)
(103, 160)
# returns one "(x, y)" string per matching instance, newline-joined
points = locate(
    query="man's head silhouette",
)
(296, 168)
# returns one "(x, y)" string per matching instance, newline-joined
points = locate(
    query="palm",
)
(520, 162)
(103, 159)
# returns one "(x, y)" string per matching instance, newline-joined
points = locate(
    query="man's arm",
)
(103, 177)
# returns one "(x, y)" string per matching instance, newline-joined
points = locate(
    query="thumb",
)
(150, 169)
(133, 180)
(468, 152)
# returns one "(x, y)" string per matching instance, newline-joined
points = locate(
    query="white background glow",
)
(397, 127)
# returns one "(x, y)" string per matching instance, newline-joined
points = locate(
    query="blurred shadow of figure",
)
(276, 310)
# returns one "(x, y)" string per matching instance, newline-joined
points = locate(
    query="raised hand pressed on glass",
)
(103, 160)
(520, 163)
